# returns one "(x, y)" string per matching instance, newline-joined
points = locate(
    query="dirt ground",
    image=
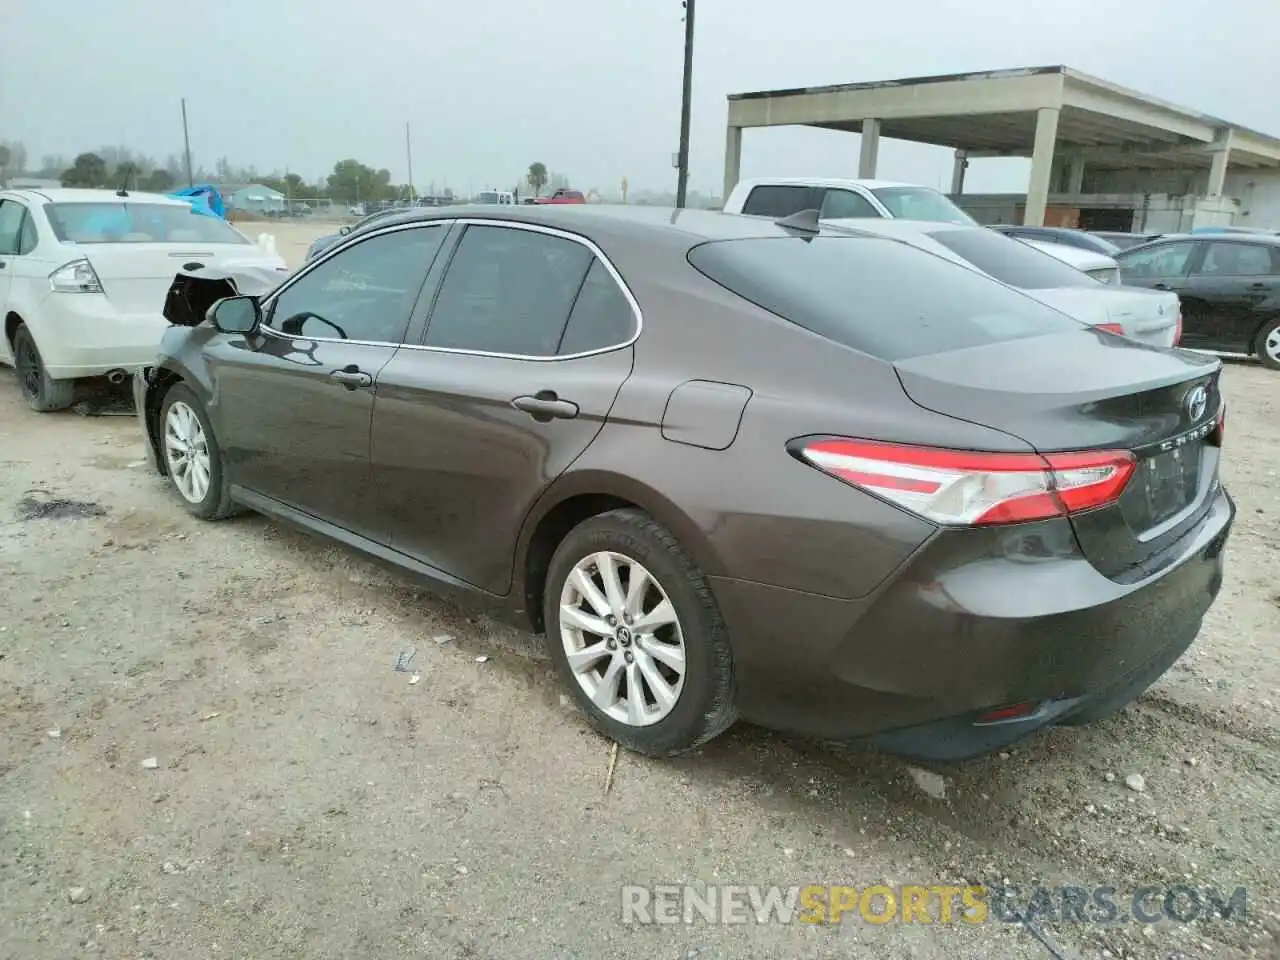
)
(307, 800)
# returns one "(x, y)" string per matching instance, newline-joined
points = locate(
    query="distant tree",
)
(353, 182)
(537, 177)
(158, 180)
(295, 185)
(5, 156)
(15, 159)
(448, 193)
(87, 170)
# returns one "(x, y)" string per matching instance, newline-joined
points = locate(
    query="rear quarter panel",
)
(752, 511)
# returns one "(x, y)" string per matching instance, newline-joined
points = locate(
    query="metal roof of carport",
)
(994, 113)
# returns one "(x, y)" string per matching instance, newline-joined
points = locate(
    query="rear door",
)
(1159, 266)
(292, 407)
(12, 215)
(527, 345)
(1227, 293)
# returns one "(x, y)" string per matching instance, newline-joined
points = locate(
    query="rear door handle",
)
(351, 377)
(1161, 286)
(1259, 286)
(546, 405)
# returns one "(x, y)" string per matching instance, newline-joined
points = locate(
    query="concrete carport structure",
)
(1065, 121)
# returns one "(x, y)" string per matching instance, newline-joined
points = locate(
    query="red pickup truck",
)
(563, 195)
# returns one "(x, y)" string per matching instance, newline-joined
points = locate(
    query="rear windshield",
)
(1011, 261)
(136, 223)
(921, 203)
(880, 297)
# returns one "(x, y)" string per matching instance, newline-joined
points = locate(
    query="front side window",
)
(126, 222)
(365, 292)
(1166, 260)
(1237, 260)
(508, 291)
(921, 203)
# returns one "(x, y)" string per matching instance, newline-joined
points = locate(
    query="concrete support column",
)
(1075, 176)
(732, 159)
(1041, 166)
(1218, 167)
(957, 172)
(870, 151)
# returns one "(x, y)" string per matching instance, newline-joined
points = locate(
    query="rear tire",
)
(192, 457)
(41, 393)
(636, 636)
(1267, 346)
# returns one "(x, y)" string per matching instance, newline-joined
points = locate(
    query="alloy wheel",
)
(1272, 345)
(186, 451)
(622, 638)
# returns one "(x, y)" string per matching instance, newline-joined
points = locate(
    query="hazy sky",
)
(589, 87)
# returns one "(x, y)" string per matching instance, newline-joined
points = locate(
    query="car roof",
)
(618, 220)
(84, 195)
(824, 182)
(1267, 239)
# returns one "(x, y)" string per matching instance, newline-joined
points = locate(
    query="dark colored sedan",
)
(832, 484)
(1124, 241)
(1229, 286)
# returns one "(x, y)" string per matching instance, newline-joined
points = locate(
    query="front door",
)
(526, 348)
(1224, 292)
(292, 407)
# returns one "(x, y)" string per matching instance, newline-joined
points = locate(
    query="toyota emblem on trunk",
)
(1197, 400)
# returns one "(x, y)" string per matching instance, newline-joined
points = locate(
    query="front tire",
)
(1267, 346)
(636, 636)
(41, 393)
(192, 457)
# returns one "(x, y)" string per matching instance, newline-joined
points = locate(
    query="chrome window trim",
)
(269, 303)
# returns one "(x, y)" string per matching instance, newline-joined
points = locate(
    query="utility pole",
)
(682, 183)
(408, 152)
(186, 144)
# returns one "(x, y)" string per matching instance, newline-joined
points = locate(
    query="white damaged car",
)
(1149, 316)
(83, 280)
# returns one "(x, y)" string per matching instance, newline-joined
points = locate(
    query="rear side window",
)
(602, 316)
(880, 297)
(508, 291)
(781, 200)
(1010, 260)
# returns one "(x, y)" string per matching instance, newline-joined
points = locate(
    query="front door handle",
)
(545, 405)
(1259, 286)
(351, 377)
(1161, 286)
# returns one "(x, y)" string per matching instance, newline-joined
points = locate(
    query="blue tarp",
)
(204, 198)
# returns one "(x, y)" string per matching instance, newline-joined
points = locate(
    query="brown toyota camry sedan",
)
(730, 467)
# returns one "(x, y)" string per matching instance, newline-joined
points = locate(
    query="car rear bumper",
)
(83, 335)
(976, 620)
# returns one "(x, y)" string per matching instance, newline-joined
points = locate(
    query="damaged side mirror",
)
(236, 315)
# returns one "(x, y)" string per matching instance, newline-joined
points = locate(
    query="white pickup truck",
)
(837, 199)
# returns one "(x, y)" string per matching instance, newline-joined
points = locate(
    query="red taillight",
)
(975, 489)
(1110, 328)
(1220, 433)
(1177, 331)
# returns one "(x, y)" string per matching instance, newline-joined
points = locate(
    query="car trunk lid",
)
(1148, 316)
(136, 276)
(1094, 391)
